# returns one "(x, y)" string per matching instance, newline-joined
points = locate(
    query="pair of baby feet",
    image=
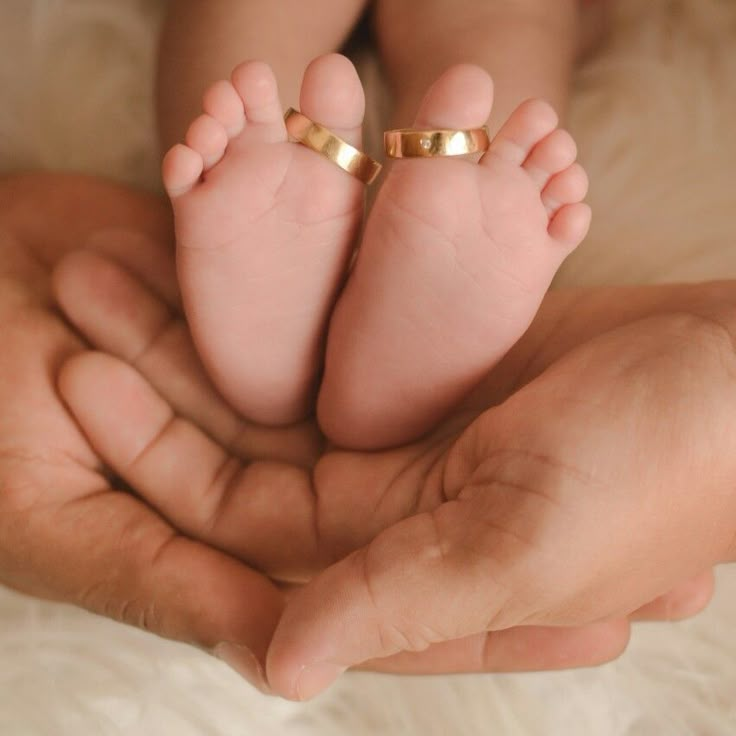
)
(455, 257)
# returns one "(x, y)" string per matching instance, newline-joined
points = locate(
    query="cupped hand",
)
(70, 531)
(290, 520)
(605, 481)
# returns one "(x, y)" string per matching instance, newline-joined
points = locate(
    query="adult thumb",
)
(420, 582)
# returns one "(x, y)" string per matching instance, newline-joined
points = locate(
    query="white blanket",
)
(654, 113)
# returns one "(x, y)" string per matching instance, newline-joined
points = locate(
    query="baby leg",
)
(528, 46)
(203, 40)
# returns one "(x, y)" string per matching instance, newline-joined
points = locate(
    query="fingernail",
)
(244, 662)
(315, 678)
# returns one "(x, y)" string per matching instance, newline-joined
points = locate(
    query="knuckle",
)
(104, 598)
(216, 495)
(406, 636)
(121, 593)
(398, 628)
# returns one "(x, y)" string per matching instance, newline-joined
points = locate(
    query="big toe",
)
(332, 95)
(461, 98)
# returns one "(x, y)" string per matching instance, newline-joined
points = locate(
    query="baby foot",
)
(264, 232)
(455, 260)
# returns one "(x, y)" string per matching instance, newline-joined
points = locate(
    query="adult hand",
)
(69, 531)
(279, 518)
(605, 481)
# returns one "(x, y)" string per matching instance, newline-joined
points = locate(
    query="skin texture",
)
(157, 557)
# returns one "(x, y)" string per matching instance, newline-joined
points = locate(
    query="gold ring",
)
(325, 142)
(411, 143)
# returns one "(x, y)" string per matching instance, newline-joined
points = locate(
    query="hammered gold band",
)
(411, 143)
(325, 142)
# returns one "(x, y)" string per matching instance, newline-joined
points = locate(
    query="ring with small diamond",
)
(412, 143)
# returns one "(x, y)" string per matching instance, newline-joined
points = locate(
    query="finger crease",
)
(168, 328)
(139, 456)
(223, 485)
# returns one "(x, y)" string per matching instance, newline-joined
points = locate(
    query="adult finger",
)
(684, 601)
(119, 314)
(263, 511)
(520, 649)
(108, 552)
(382, 599)
(526, 648)
(150, 259)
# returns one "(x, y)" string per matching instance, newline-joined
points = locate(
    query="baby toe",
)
(256, 84)
(551, 155)
(181, 169)
(332, 95)
(208, 138)
(570, 224)
(461, 98)
(223, 103)
(530, 123)
(566, 187)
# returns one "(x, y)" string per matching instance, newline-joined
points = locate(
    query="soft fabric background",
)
(654, 113)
